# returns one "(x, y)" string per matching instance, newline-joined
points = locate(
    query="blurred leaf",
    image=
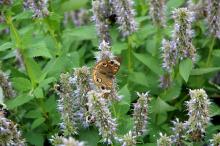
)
(39, 51)
(214, 110)
(171, 4)
(216, 53)
(160, 106)
(89, 135)
(80, 33)
(33, 70)
(37, 122)
(38, 92)
(139, 78)
(6, 46)
(171, 93)
(125, 93)
(185, 68)
(21, 84)
(150, 62)
(73, 5)
(35, 138)
(23, 15)
(18, 101)
(33, 114)
(118, 47)
(201, 71)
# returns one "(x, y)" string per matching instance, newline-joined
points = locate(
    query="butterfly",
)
(104, 71)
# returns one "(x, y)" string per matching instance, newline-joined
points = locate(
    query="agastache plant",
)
(199, 7)
(178, 129)
(164, 140)
(39, 7)
(140, 114)
(157, 12)
(6, 86)
(215, 141)
(198, 113)
(128, 139)
(67, 105)
(9, 133)
(213, 17)
(98, 107)
(101, 11)
(125, 16)
(183, 33)
(62, 141)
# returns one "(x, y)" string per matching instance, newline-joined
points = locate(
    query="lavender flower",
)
(81, 81)
(140, 114)
(199, 8)
(198, 113)
(67, 105)
(178, 132)
(38, 7)
(62, 141)
(78, 18)
(101, 10)
(213, 17)
(164, 140)
(125, 16)
(169, 55)
(128, 139)
(6, 86)
(183, 33)
(157, 12)
(165, 81)
(99, 109)
(6, 2)
(216, 140)
(9, 134)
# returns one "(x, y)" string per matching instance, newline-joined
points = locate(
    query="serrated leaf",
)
(37, 122)
(185, 68)
(38, 92)
(160, 106)
(21, 84)
(151, 62)
(201, 71)
(39, 51)
(18, 101)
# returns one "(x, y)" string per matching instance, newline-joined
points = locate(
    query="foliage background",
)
(49, 48)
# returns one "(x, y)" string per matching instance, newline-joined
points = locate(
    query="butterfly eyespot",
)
(102, 87)
(99, 80)
(112, 62)
(104, 64)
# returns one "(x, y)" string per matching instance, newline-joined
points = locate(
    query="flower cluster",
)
(81, 81)
(6, 86)
(199, 7)
(164, 140)
(183, 33)
(6, 2)
(103, 120)
(125, 16)
(216, 140)
(9, 134)
(128, 139)
(67, 105)
(178, 130)
(157, 12)
(121, 9)
(198, 114)
(62, 141)
(78, 18)
(140, 114)
(213, 17)
(38, 7)
(101, 11)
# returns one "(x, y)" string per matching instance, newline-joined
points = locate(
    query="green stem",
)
(210, 51)
(129, 55)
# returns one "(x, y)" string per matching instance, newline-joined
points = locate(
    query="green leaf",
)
(37, 122)
(214, 110)
(185, 68)
(216, 53)
(118, 47)
(80, 33)
(174, 4)
(73, 5)
(33, 70)
(18, 101)
(139, 78)
(34, 138)
(33, 114)
(89, 135)
(38, 92)
(39, 51)
(160, 106)
(171, 93)
(201, 71)
(150, 62)
(6, 46)
(126, 94)
(24, 15)
(21, 84)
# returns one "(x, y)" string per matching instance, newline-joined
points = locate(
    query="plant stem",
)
(129, 55)
(210, 51)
